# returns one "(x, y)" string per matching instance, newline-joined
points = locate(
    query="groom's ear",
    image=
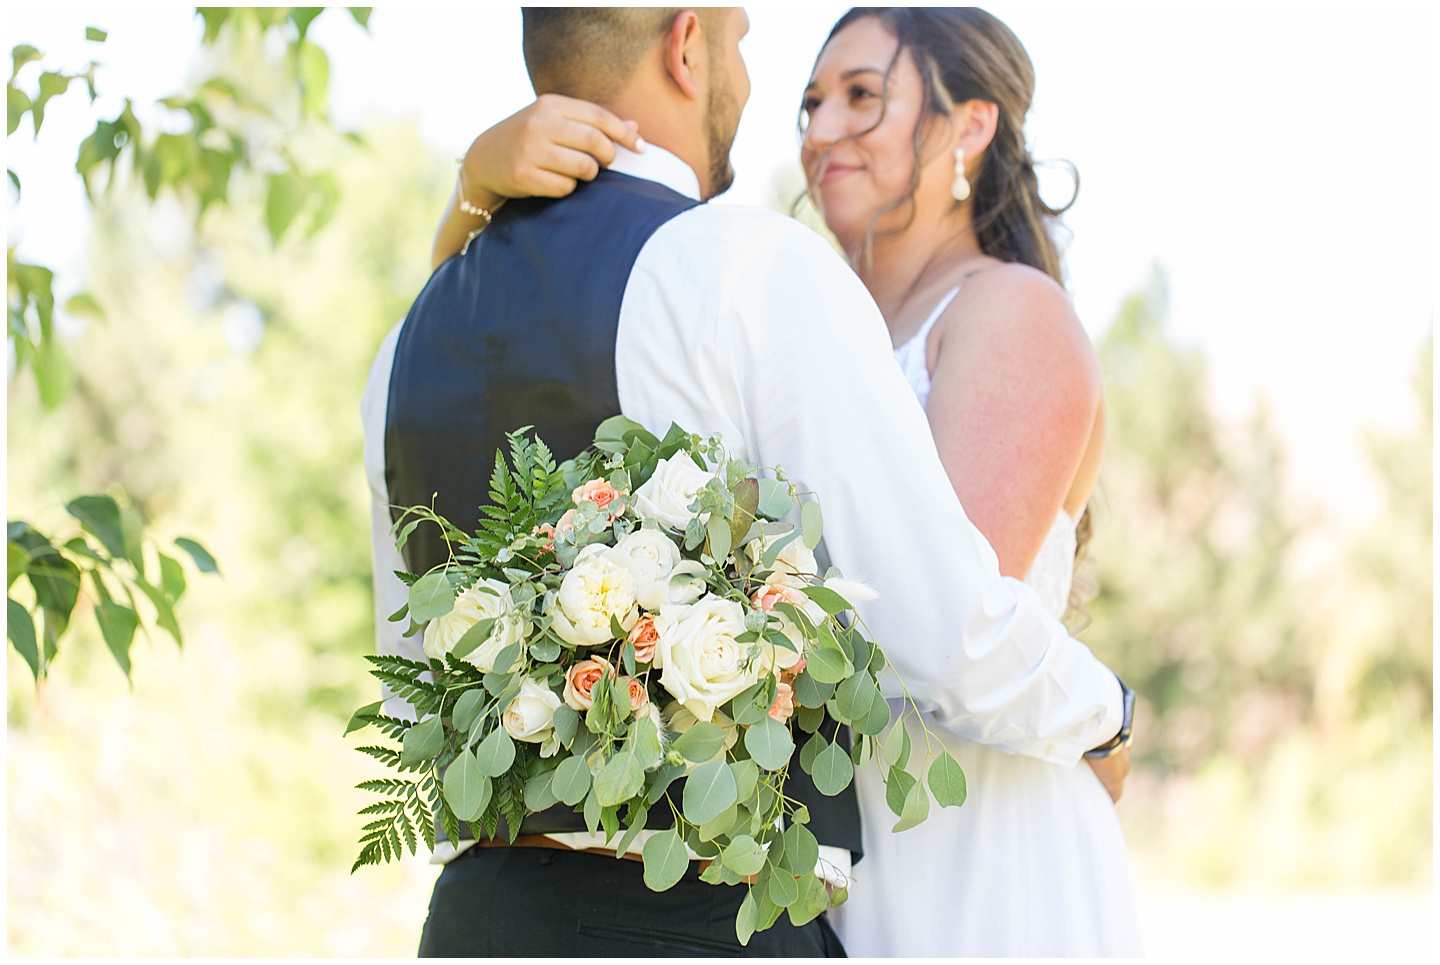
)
(684, 48)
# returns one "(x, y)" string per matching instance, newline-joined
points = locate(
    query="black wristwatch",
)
(1122, 739)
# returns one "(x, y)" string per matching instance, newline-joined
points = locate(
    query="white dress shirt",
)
(745, 323)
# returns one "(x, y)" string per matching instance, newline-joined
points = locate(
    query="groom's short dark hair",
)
(589, 52)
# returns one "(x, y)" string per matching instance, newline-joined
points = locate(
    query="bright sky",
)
(1276, 160)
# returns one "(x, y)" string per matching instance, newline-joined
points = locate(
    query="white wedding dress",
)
(1034, 864)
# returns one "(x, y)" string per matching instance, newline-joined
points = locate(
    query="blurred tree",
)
(1285, 709)
(253, 113)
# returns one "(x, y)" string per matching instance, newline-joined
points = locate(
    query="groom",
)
(634, 296)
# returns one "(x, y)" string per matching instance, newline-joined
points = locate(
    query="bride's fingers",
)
(578, 165)
(579, 136)
(610, 125)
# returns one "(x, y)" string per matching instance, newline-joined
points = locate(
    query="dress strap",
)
(924, 332)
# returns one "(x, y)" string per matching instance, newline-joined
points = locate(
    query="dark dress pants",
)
(528, 902)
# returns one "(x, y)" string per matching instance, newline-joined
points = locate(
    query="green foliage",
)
(1284, 668)
(111, 558)
(228, 126)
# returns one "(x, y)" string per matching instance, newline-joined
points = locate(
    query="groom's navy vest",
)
(521, 331)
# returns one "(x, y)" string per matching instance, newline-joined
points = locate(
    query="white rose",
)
(651, 557)
(793, 560)
(677, 720)
(530, 717)
(687, 583)
(472, 606)
(700, 663)
(667, 495)
(595, 590)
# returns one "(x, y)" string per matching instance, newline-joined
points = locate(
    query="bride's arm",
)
(541, 151)
(1014, 399)
(1014, 404)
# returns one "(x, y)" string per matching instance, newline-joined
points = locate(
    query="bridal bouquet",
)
(639, 615)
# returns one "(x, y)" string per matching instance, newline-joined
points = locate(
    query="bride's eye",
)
(858, 93)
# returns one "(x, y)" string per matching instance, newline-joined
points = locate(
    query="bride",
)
(914, 151)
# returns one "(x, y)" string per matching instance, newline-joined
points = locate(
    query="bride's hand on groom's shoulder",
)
(1112, 772)
(545, 149)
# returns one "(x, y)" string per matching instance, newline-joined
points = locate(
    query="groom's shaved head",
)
(590, 52)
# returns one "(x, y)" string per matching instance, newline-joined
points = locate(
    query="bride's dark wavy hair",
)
(963, 54)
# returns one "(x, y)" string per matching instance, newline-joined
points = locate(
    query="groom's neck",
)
(668, 122)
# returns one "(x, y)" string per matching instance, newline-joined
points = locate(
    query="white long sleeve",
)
(741, 322)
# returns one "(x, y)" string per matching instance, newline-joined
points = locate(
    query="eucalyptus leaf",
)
(811, 524)
(538, 792)
(467, 708)
(571, 781)
(431, 597)
(467, 791)
(747, 773)
(719, 531)
(947, 781)
(875, 721)
(897, 746)
(566, 721)
(915, 809)
(666, 860)
(770, 744)
(813, 746)
(622, 777)
(782, 888)
(855, 696)
(743, 855)
(661, 779)
(832, 770)
(632, 831)
(810, 692)
(827, 599)
(506, 658)
(775, 499)
(423, 741)
(701, 742)
(644, 742)
(898, 783)
(828, 666)
(709, 790)
(746, 919)
(545, 650)
(496, 753)
(802, 849)
(361, 717)
(477, 634)
(813, 901)
(720, 825)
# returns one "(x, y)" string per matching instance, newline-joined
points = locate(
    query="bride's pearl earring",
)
(960, 187)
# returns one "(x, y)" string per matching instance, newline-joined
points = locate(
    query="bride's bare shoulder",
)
(1015, 303)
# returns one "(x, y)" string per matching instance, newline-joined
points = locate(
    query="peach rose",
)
(545, 529)
(599, 492)
(581, 680)
(565, 529)
(643, 638)
(639, 699)
(784, 704)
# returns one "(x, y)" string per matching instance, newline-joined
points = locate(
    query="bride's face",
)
(858, 149)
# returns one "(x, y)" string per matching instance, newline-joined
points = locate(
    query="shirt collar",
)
(659, 165)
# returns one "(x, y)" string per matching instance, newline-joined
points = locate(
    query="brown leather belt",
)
(542, 841)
